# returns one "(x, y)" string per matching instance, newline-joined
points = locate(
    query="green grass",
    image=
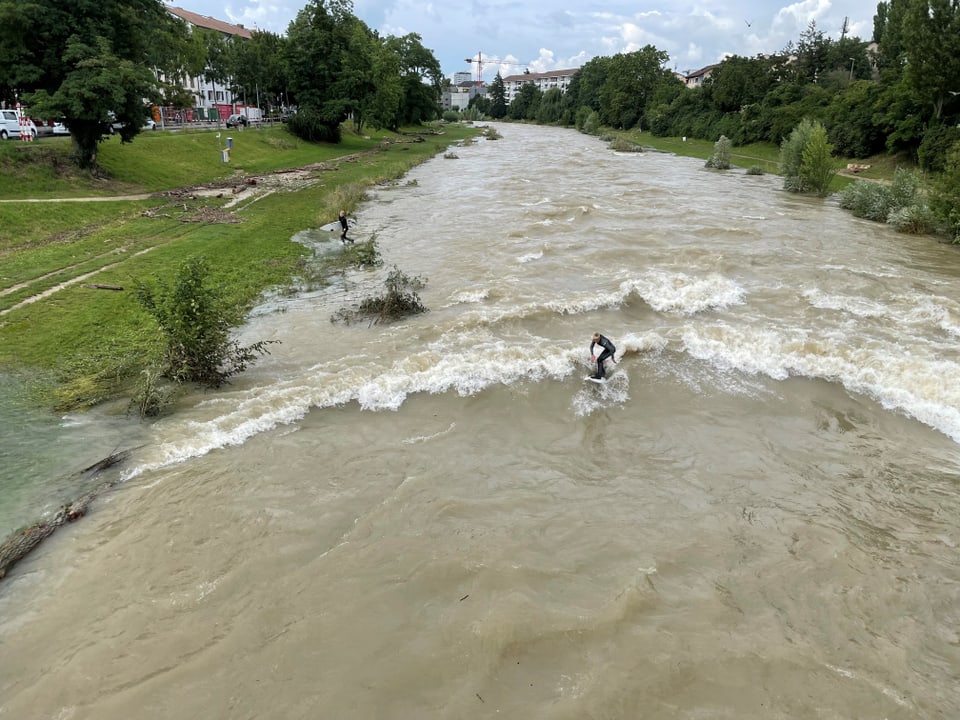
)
(767, 156)
(88, 344)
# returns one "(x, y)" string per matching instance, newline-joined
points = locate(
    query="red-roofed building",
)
(210, 97)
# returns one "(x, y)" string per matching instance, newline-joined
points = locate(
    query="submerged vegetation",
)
(398, 300)
(720, 160)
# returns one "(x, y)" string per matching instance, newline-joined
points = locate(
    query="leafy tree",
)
(526, 103)
(945, 195)
(195, 321)
(739, 82)
(257, 68)
(852, 121)
(588, 81)
(420, 80)
(931, 39)
(816, 164)
(791, 156)
(812, 52)
(382, 105)
(83, 60)
(318, 40)
(551, 107)
(629, 85)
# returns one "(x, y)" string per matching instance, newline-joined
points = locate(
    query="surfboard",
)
(331, 226)
(598, 381)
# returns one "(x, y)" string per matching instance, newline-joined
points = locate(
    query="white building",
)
(211, 97)
(457, 97)
(544, 81)
(462, 77)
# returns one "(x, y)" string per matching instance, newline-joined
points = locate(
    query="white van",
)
(10, 125)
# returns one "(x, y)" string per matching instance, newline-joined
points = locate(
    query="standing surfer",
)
(608, 350)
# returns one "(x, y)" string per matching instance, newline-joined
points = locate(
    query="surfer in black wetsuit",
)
(343, 225)
(608, 350)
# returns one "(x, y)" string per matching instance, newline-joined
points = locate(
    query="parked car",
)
(115, 125)
(10, 125)
(237, 120)
(44, 127)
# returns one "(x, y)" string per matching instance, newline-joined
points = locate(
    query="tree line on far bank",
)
(897, 94)
(94, 63)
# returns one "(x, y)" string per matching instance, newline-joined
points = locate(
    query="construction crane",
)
(480, 62)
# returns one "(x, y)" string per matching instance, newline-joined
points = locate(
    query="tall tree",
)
(318, 38)
(88, 61)
(498, 98)
(629, 86)
(257, 69)
(526, 103)
(931, 39)
(421, 77)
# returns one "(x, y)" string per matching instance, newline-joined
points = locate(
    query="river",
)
(757, 516)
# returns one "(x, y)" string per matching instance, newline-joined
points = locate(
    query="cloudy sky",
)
(559, 34)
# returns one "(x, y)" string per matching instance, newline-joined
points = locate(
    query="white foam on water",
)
(923, 386)
(470, 296)
(465, 366)
(677, 292)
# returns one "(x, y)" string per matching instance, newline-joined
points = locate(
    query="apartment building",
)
(212, 100)
(543, 81)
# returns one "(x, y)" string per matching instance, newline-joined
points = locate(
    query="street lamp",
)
(851, 69)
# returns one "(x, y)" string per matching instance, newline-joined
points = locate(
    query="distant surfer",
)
(343, 226)
(608, 350)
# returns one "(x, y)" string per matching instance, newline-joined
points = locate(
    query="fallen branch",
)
(22, 541)
(104, 287)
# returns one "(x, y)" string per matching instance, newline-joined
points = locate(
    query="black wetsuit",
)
(608, 350)
(343, 224)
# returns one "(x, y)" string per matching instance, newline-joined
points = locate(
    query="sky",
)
(543, 35)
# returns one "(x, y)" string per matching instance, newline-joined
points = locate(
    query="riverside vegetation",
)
(183, 219)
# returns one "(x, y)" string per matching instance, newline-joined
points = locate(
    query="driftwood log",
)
(22, 541)
(104, 287)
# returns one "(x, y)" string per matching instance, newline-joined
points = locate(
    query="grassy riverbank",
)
(767, 157)
(81, 344)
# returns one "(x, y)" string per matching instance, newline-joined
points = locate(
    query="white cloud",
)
(554, 34)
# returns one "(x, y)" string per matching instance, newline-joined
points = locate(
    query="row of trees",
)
(92, 61)
(899, 93)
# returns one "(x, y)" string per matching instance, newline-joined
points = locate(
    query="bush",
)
(755, 170)
(399, 300)
(816, 164)
(791, 156)
(720, 159)
(195, 321)
(867, 200)
(451, 116)
(621, 144)
(945, 196)
(903, 204)
(591, 125)
(805, 159)
(152, 398)
(916, 219)
(307, 124)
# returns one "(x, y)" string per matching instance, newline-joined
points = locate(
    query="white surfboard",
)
(598, 381)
